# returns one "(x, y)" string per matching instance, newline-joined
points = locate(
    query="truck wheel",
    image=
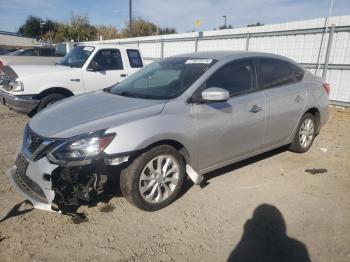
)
(305, 134)
(49, 100)
(154, 179)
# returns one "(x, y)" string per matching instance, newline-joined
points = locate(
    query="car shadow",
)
(211, 175)
(265, 239)
(243, 163)
(15, 211)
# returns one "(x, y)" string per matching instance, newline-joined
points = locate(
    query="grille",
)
(32, 188)
(5, 83)
(32, 140)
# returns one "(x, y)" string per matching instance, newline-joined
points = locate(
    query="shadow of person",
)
(15, 211)
(265, 239)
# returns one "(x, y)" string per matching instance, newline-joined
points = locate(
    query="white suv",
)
(31, 88)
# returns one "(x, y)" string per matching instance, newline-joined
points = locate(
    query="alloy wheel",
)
(159, 178)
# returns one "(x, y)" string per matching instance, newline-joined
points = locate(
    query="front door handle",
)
(123, 75)
(255, 109)
(299, 99)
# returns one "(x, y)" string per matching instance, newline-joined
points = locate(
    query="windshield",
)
(166, 79)
(77, 56)
(17, 52)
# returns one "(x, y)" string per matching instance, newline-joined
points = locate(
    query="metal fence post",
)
(196, 44)
(328, 52)
(247, 42)
(162, 48)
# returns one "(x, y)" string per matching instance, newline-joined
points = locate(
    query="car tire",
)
(305, 134)
(146, 185)
(49, 100)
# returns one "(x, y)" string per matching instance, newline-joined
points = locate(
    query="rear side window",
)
(30, 52)
(275, 72)
(109, 59)
(298, 73)
(134, 58)
(60, 50)
(46, 52)
(237, 77)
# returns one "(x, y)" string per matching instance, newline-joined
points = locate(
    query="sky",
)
(180, 14)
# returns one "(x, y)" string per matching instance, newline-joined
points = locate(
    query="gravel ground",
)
(277, 205)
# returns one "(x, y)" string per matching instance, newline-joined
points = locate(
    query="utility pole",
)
(130, 16)
(41, 29)
(224, 16)
(330, 10)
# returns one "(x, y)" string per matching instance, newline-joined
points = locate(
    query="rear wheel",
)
(49, 100)
(304, 135)
(154, 179)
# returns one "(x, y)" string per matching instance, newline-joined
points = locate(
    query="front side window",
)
(134, 58)
(275, 72)
(237, 77)
(165, 79)
(77, 56)
(29, 52)
(108, 59)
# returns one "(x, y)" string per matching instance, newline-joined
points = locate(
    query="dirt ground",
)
(279, 204)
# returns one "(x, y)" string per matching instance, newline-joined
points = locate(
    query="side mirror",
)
(215, 94)
(94, 66)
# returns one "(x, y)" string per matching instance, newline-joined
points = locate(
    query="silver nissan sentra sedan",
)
(184, 115)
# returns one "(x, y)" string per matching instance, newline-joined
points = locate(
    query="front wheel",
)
(304, 135)
(154, 179)
(49, 100)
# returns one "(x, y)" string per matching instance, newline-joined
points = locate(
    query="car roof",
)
(220, 55)
(103, 45)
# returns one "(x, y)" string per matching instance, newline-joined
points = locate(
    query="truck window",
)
(46, 51)
(30, 52)
(134, 58)
(60, 49)
(109, 59)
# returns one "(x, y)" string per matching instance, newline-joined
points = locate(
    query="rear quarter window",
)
(134, 58)
(298, 73)
(275, 72)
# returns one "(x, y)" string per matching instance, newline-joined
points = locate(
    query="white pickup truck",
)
(31, 88)
(39, 55)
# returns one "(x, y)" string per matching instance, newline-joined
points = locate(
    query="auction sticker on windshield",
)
(88, 48)
(199, 61)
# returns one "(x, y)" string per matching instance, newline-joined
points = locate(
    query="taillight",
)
(327, 87)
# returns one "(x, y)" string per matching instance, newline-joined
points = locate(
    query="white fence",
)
(308, 42)
(7, 39)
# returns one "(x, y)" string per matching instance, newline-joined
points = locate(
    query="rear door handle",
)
(299, 99)
(255, 109)
(123, 75)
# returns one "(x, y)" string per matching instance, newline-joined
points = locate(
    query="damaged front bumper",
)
(34, 184)
(53, 187)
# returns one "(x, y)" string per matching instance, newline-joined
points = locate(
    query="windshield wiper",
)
(127, 94)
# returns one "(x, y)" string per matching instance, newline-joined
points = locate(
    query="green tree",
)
(142, 27)
(31, 27)
(167, 31)
(80, 28)
(107, 32)
(256, 24)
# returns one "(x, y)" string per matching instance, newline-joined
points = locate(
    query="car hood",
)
(30, 70)
(91, 112)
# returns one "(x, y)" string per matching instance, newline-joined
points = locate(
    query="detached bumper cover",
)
(32, 185)
(22, 104)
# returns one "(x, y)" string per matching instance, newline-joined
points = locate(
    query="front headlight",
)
(16, 86)
(81, 148)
